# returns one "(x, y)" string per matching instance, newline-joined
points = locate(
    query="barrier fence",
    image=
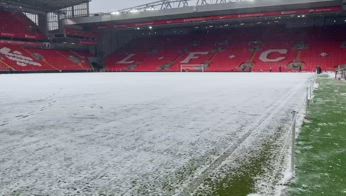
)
(309, 99)
(340, 74)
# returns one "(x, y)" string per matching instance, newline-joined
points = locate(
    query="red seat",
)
(278, 49)
(17, 25)
(20, 59)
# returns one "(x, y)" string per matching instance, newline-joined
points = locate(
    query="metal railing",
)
(340, 73)
(309, 98)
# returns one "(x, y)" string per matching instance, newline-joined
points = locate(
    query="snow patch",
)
(133, 133)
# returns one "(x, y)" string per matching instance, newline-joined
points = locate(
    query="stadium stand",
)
(17, 25)
(275, 40)
(258, 50)
(17, 58)
(24, 48)
(71, 32)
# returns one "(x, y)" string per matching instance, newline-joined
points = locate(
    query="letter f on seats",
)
(193, 55)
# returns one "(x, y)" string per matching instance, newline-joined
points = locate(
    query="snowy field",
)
(135, 133)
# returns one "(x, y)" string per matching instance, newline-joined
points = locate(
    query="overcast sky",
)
(113, 5)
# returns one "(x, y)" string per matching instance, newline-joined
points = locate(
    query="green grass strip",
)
(321, 148)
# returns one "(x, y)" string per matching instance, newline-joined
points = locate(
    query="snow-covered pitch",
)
(134, 133)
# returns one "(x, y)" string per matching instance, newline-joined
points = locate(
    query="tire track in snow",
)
(193, 183)
(101, 172)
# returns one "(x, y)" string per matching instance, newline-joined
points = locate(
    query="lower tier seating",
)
(15, 58)
(241, 50)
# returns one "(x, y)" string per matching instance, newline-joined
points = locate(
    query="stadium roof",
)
(44, 5)
(175, 9)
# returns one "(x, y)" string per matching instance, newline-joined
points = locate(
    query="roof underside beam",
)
(42, 5)
(171, 4)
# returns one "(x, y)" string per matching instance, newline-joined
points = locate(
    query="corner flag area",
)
(321, 149)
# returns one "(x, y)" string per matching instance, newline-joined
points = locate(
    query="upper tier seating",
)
(16, 58)
(18, 26)
(71, 32)
(257, 50)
